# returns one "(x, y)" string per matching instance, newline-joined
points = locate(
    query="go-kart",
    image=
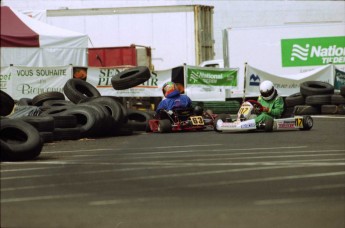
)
(185, 119)
(245, 121)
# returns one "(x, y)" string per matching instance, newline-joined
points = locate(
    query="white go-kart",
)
(245, 121)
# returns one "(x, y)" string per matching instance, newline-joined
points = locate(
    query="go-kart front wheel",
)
(164, 126)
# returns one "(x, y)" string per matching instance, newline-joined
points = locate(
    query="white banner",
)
(28, 82)
(285, 84)
(101, 79)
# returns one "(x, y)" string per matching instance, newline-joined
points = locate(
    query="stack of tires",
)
(316, 97)
(29, 123)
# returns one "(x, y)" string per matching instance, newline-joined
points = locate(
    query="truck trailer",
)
(177, 35)
(281, 50)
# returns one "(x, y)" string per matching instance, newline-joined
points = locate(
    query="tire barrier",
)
(316, 98)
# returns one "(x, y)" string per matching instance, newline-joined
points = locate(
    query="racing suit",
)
(174, 100)
(275, 109)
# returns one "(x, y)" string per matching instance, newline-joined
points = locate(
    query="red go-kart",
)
(187, 119)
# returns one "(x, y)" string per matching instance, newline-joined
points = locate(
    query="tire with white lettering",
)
(310, 88)
(306, 110)
(6, 103)
(19, 140)
(130, 78)
(77, 90)
(40, 98)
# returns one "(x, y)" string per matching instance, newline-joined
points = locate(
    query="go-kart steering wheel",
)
(257, 107)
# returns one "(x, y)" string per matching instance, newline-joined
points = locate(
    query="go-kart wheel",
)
(269, 125)
(257, 107)
(307, 123)
(164, 126)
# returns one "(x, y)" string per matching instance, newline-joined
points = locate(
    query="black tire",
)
(67, 134)
(306, 110)
(318, 99)
(337, 99)
(65, 121)
(269, 125)
(138, 119)
(47, 136)
(341, 109)
(87, 119)
(77, 90)
(57, 103)
(6, 103)
(294, 99)
(130, 78)
(307, 123)
(40, 98)
(24, 101)
(53, 111)
(164, 126)
(310, 88)
(329, 109)
(113, 107)
(19, 141)
(342, 90)
(41, 123)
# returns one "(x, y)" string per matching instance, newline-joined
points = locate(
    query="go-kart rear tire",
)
(164, 126)
(307, 123)
(269, 125)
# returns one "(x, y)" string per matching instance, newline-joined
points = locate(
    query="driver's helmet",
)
(198, 110)
(267, 90)
(168, 88)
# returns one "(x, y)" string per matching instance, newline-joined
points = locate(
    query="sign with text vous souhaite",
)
(313, 51)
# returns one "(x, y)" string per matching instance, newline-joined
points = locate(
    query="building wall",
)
(231, 13)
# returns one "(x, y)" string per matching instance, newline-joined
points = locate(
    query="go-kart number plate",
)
(244, 110)
(197, 120)
(299, 122)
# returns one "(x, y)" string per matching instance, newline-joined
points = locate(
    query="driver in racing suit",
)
(272, 103)
(173, 98)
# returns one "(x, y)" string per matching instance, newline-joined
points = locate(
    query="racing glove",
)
(265, 109)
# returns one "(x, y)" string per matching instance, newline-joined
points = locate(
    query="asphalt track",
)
(291, 179)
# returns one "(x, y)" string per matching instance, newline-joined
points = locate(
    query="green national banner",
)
(202, 76)
(315, 51)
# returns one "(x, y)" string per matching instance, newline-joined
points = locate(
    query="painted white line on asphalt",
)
(267, 179)
(38, 198)
(293, 200)
(125, 149)
(329, 117)
(318, 187)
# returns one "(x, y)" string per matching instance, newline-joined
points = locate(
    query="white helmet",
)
(267, 90)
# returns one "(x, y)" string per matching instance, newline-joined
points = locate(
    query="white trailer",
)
(283, 50)
(177, 35)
